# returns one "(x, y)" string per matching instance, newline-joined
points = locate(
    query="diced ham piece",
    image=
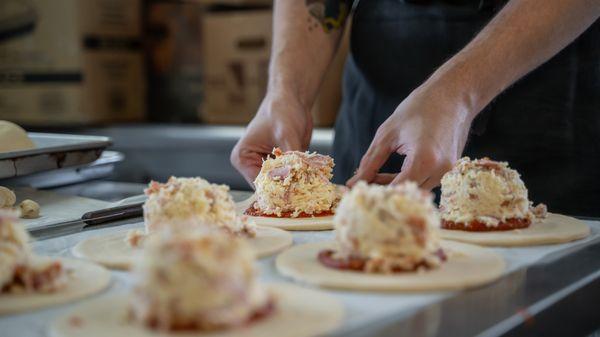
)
(318, 161)
(280, 172)
(540, 211)
(489, 164)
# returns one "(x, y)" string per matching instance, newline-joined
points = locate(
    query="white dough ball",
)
(13, 138)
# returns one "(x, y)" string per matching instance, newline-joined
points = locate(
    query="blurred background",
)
(173, 83)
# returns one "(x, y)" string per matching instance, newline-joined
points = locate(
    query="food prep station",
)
(546, 290)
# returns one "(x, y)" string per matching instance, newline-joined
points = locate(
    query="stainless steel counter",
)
(555, 296)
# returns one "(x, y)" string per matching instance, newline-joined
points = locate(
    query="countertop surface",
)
(533, 291)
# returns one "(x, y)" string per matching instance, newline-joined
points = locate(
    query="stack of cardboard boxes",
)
(82, 62)
(70, 62)
(236, 53)
(174, 60)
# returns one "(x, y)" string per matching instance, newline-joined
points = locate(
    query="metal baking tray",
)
(101, 168)
(52, 151)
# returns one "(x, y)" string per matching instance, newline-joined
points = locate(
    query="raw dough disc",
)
(554, 229)
(113, 251)
(291, 224)
(300, 312)
(13, 138)
(298, 224)
(85, 279)
(467, 266)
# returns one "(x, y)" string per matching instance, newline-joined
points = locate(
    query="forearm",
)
(302, 50)
(525, 34)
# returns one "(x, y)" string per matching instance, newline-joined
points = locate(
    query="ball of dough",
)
(7, 197)
(13, 138)
(29, 209)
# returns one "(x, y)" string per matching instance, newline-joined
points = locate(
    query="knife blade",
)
(89, 219)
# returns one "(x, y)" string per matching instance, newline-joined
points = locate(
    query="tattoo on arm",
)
(329, 14)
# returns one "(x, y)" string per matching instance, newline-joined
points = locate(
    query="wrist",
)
(284, 85)
(282, 96)
(278, 102)
(460, 87)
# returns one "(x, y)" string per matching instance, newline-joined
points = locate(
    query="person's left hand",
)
(430, 128)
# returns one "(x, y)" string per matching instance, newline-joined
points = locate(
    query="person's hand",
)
(429, 128)
(281, 121)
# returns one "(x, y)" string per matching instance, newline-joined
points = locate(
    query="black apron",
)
(547, 125)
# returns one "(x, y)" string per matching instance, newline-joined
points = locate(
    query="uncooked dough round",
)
(84, 279)
(13, 138)
(554, 229)
(114, 252)
(318, 223)
(300, 312)
(467, 266)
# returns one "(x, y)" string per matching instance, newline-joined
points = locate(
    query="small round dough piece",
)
(554, 229)
(318, 223)
(13, 138)
(7, 197)
(84, 279)
(29, 209)
(467, 266)
(299, 312)
(113, 251)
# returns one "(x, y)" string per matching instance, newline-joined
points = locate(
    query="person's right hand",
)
(281, 121)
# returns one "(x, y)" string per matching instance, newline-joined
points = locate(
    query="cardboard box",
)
(71, 62)
(174, 50)
(236, 53)
(257, 3)
(236, 60)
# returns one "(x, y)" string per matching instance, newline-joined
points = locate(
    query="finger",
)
(371, 162)
(433, 181)
(384, 178)
(250, 173)
(412, 170)
(247, 162)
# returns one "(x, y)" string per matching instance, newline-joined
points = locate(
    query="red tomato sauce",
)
(259, 314)
(478, 226)
(359, 264)
(252, 211)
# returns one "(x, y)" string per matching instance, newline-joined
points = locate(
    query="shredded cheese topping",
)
(296, 182)
(201, 280)
(20, 269)
(486, 191)
(188, 203)
(393, 227)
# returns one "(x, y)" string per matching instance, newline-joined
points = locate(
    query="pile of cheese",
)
(295, 182)
(196, 280)
(391, 227)
(485, 191)
(20, 269)
(188, 203)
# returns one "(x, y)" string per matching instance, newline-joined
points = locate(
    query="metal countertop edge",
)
(510, 305)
